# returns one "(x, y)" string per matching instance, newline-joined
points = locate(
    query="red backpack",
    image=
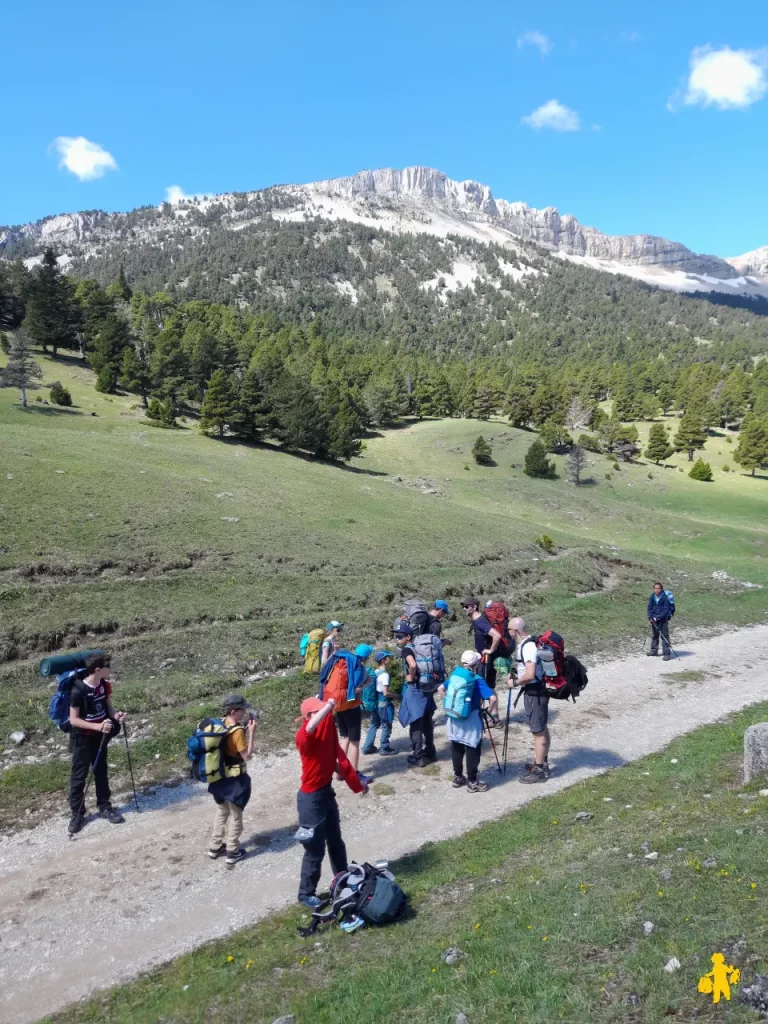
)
(498, 616)
(551, 648)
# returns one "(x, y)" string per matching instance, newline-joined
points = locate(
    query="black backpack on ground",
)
(364, 890)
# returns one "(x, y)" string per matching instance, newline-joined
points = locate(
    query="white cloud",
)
(175, 194)
(553, 114)
(85, 159)
(727, 79)
(597, 127)
(537, 39)
(629, 37)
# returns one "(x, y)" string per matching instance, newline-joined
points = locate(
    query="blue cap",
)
(381, 655)
(363, 651)
(443, 606)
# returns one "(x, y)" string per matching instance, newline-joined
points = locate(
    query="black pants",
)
(660, 628)
(473, 759)
(422, 733)
(84, 747)
(320, 811)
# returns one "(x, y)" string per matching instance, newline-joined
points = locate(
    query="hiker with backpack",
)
(332, 640)
(377, 700)
(319, 825)
(232, 790)
(93, 722)
(661, 608)
(310, 650)
(424, 620)
(343, 677)
(424, 670)
(463, 696)
(492, 638)
(528, 673)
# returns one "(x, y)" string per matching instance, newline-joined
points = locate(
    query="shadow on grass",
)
(269, 446)
(52, 410)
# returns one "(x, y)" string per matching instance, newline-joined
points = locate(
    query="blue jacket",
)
(659, 607)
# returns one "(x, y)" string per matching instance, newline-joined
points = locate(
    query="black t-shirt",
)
(405, 652)
(91, 701)
(433, 626)
(482, 629)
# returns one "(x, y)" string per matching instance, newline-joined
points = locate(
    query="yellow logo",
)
(719, 980)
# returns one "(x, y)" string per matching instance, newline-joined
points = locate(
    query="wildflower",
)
(660, 892)
(477, 927)
(554, 821)
(249, 965)
(492, 971)
(753, 885)
(544, 938)
(230, 958)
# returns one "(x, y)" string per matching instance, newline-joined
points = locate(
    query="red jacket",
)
(320, 753)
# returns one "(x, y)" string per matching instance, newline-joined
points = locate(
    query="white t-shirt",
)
(382, 681)
(526, 652)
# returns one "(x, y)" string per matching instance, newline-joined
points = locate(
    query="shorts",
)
(350, 723)
(536, 710)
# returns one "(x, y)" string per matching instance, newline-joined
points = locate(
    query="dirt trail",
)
(153, 893)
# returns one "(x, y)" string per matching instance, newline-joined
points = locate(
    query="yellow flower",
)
(491, 971)
(434, 970)
(530, 926)
(477, 927)
(660, 892)
(554, 821)
(249, 965)
(544, 938)
(753, 885)
(230, 958)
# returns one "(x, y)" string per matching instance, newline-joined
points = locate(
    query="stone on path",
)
(648, 927)
(672, 965)
(18, 737)
(755, 751)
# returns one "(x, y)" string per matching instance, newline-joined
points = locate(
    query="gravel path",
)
(145, 882)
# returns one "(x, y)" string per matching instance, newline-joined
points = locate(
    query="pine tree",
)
(219, 407)
(701, 470)
(21, 371)
(484, 404)
(134, 373)
(659, 449)
(11, 299)
(301, 423)
(690, 435)
(120, 289)
(52, 315)
(752, 449)
(106, 358)
(554, 436)
(536, 462)
(254, 412)
(482, 452)
(577, 461)
(345, 431)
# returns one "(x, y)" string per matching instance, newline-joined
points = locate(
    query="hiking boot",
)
(370, 750)
(213, 854)
(412, 759)
(665, 658)
(495, 722)
(365, 779)
(76, 823)
(459, 781)
(651, 654)
(421, 762)
(532, 764)
(312, 902)
(386, 751)
(537, 774)
(351, 924)
(477, 787)
(431, 757)
(235, 858)
(112, 816)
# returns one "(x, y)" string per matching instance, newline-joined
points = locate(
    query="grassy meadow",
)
(198, 562)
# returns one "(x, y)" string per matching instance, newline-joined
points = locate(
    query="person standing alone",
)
(233, 791)
(660, 611)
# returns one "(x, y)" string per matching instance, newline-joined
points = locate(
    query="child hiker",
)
(383, 715)
(465, 692)
(233, 792)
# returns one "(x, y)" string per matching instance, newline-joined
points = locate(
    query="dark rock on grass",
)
(452, 955)
(756, 994)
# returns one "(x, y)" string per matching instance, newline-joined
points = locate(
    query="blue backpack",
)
(671, 599)
(369, 698)
(459, 694)
(58, 709)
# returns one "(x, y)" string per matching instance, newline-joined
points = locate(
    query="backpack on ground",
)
(205, 749)
(459, 694)
(369, 698)
(498, 615)
(309, 649)
(416, 615)
(340, 677)
(363, 890)
(428, 651)
(58, 708)
(671, 599)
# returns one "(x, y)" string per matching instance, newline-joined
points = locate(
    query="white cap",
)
(470, 658)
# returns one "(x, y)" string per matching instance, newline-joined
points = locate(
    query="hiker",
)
(660, 611)
(94, 722)
(465, 725)
(383, 712)
(529, 674)
(332, 640)
(319, 825)
(233, 792)
(488, 640)
(436, 613)
(343, 677)
(416, 708)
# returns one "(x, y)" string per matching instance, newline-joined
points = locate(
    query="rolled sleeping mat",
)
(59, 663)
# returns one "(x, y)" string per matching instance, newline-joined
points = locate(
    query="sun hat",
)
(333, 624)
(310, 706)
(470, 658)
(235, 702)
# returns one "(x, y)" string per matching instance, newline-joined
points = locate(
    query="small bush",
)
(609, 476)
(726, 468)
(546, 543)
(701, 470)
(466, 465)
(106, 382)
(650, 476)
(482, 452)
(680, 469)
(616, 466)
(59, 394)
(728, 440)
(589, 442)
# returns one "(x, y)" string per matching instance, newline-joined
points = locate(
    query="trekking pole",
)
(506, 731)
(130, 766)
(91, 770)
(490, 737)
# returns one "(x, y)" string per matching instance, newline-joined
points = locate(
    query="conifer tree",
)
(752, 449)
(577, 461)
(690, 434)
(120, 289)
(254, 412)
(345, 431)
(536, 462)
(112, 340)
(701, 470)
(659, 449)
(301, 423)
(52, 314)
(482, 452)
(21, 371)
(134, 373)
(219, 406)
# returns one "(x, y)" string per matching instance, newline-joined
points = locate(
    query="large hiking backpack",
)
(551, 651)
(205, 749)
(368, 891)
(416, 614)
(309, 649)
(339, 678)
(575, 678)
(498, 616)
(459, 692)
(369, 698)
(671, 599)
(58, 708)
(428, 650)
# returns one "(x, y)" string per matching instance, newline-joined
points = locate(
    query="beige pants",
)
(227, 826)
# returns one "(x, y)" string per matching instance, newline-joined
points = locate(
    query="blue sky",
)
(646, 117)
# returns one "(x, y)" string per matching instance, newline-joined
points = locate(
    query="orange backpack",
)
(337, 686)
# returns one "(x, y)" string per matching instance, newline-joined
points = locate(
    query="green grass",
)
(113, 533)
(549, 911)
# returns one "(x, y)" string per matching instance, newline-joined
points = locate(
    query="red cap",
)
(310, 706)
